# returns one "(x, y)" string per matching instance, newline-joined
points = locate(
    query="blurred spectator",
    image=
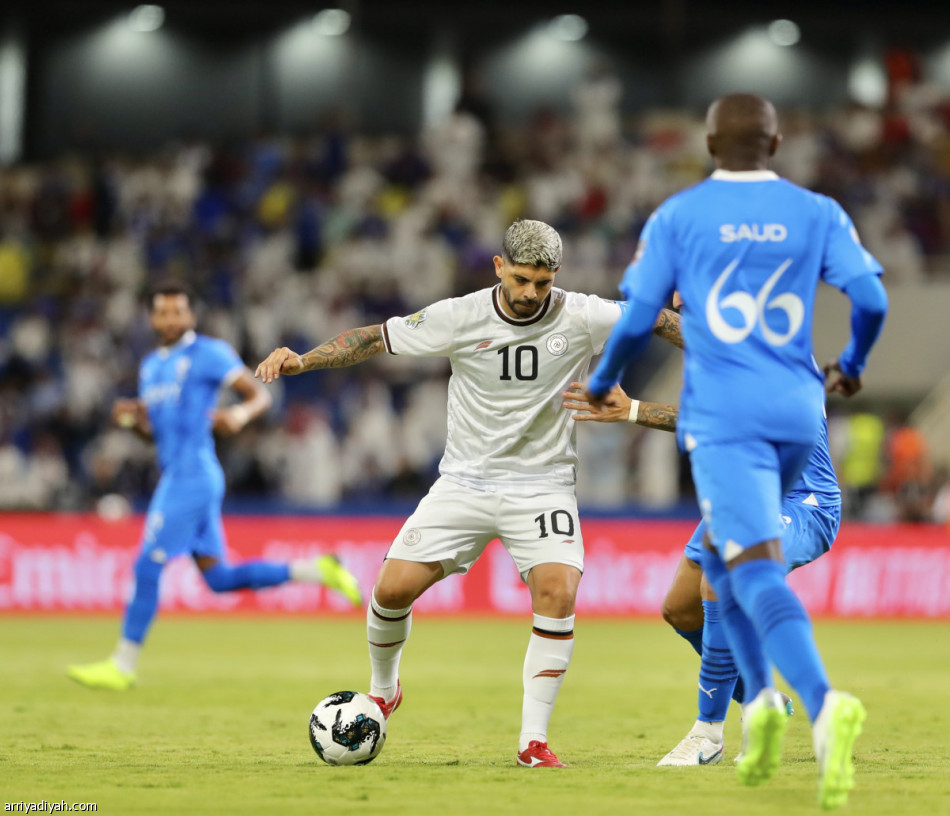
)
(940, 510)
(304, 457)
(856, 442)
(909, 477)
(14, 268)
(596, 103)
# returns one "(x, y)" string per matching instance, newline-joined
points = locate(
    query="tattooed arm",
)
(657, 415)
(617, 405)
(346, 349)
(667, 326)
(617, 409)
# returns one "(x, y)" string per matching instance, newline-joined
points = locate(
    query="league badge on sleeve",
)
(413, 321)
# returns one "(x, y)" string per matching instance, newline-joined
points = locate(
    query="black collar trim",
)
(496, 302)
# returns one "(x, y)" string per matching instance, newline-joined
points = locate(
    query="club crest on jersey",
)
(557, 344)
(411, 537)
(413, 321)
(182, 365)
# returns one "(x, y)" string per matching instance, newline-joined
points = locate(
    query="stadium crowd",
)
(289, 240)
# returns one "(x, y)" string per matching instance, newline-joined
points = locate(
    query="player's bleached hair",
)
(532, 243)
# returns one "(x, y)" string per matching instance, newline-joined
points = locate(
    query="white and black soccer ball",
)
(347, 728)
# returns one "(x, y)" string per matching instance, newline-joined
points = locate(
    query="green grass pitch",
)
(218, 722)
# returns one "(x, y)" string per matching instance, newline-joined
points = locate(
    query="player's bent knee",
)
(393, 596)
(220, 578)
(681, 617)
(400, 583)
(554, 601)
(670, 615)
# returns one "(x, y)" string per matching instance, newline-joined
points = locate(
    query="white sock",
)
(306, 570)
(387, 631)
(548, 656)
(126, 655)
(710, 730)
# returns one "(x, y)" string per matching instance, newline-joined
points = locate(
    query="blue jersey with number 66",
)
(746, 252)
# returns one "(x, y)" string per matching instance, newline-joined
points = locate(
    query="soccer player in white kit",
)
(510, 458)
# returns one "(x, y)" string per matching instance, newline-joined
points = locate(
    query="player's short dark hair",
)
(170, 286)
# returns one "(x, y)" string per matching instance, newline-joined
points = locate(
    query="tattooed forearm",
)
(346, 349)
(667, 326)
(655, 415)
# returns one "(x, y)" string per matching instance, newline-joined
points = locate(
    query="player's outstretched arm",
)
(618, 407)
(348, 348)
(255, 400)
(667, 326)
(627, 341)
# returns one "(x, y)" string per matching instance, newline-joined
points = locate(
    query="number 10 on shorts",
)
(560, 521)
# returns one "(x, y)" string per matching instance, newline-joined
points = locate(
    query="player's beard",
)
(170, 336)
(521, 308)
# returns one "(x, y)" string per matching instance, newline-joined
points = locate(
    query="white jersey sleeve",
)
(427, 333)
(602, 316)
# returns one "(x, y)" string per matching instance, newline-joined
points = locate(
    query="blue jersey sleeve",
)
(651, 275)
(218, 362)
(844, 258)
(647, 284)
(868, 310)
(627, 341)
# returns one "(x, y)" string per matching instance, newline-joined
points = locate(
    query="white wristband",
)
(241, 414)
(634, 410)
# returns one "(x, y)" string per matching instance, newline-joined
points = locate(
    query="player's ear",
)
(499, 265)
(773, 145)
(711, 143)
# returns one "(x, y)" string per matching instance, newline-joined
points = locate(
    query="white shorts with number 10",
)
(453, 524)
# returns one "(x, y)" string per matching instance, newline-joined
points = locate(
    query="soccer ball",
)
(347, 728)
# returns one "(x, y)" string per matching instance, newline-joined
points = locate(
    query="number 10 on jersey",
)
(526, 362)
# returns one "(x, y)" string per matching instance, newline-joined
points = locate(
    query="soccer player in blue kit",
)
(179, 384)
(811, 517)
(745, 249)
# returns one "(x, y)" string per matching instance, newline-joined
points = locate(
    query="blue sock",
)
(144, 604)
(738, 693)
(741, 635)
(694, 638)
(717, 670)
(784, 627)
(249, 575)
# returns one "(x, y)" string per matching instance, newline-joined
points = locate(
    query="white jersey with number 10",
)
(506, 425)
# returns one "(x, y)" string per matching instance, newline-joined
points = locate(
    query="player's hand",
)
(279, 361)
(228, 421)
(596, 403)
(616, 408)
(837, 380)
(129, 413)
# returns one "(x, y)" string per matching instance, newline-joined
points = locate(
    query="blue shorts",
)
(184, 516)
(809, 532)
(740, 486)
